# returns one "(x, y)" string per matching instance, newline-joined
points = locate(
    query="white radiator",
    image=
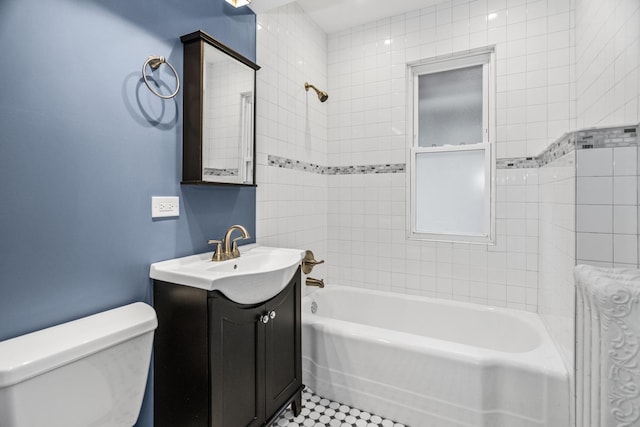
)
(607, 347)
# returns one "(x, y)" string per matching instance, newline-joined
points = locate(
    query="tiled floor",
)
(320, 412)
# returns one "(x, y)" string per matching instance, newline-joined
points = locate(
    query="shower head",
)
(322, 95)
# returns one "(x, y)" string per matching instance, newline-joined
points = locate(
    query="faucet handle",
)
(218, 255)
(309, 261)
(234, 246)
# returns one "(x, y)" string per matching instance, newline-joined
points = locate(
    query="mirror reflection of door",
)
(246, 138)
(227, 145)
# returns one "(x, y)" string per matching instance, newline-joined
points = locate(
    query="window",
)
(450, 148)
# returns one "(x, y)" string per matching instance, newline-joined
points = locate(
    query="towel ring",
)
(154, 62)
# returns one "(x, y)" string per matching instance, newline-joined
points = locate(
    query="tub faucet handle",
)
(315, 282)
(309, 261)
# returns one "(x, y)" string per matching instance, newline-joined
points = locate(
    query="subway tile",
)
(559, 93)
(497, 293)
(537, 27)
(532, 297)
(594, 190)
(559, 39)
(594, 247)
(625, 161)
(594, 263)
(595, 162)
(444, 287)
(517, 14)
(536, 44)
(625, 248)
(558, 6)
(478, 290)
(536, 96)
(625, 190)
(559, 22)
(517, 261)
(497, 35)
(516, 294)
(537, 78)
(625, 219)
(625, 265)
(461, 287)
(494, 5)
(516, 31)
(594, 218)
(536, 9)
(460, 12)
(559, 75)
(536, 112)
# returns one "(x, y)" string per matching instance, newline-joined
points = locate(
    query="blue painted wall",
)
(83, 147)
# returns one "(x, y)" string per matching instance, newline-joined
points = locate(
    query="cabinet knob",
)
(272, 314)
(264, 318)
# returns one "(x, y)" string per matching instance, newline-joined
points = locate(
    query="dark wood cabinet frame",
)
(193, 102)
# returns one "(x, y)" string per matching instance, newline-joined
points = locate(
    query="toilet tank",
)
(88, 372)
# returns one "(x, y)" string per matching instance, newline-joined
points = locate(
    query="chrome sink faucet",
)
(230, 246)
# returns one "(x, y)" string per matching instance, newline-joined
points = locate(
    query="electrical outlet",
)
(162, 207)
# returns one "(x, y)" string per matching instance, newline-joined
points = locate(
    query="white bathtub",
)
(430, 363)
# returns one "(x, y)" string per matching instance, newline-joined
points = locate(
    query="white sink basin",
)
(260, 272)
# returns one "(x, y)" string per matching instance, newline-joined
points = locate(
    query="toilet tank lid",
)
(35, 353)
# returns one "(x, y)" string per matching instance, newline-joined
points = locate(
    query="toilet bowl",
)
(87, 372)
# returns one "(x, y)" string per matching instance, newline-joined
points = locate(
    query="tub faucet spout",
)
(315, 282)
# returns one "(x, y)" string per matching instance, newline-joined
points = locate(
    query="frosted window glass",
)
(450, 107)
(450, 192)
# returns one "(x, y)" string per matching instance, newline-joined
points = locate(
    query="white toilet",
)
(88, 372)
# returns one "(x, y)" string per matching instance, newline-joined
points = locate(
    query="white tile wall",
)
(557, 246)
(366, 122)
(548, 82)
(607, 207)
(607, 62)
(535, 86)
(291, 206)
(367, 245)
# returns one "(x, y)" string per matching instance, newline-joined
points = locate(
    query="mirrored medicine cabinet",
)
(219, 113)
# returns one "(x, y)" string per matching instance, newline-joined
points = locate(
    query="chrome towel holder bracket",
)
(154, 62)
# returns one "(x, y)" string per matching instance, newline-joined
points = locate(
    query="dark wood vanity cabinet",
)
(223, 364)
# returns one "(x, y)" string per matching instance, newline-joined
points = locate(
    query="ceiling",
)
(337, 15)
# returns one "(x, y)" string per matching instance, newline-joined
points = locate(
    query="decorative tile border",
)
(517, 163)
(610, 137)
(220, 172)
(621, 136)
(283, 162)
(564, 145)
(366, 169)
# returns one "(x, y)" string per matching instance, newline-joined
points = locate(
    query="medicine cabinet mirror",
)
(219, 113)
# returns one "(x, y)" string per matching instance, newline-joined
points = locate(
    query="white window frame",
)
(486, 58)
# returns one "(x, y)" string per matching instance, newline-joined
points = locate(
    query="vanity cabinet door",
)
(283, 348)
(223, 364)
(237, 364)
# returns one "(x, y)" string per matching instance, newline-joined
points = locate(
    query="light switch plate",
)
(162, 207)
